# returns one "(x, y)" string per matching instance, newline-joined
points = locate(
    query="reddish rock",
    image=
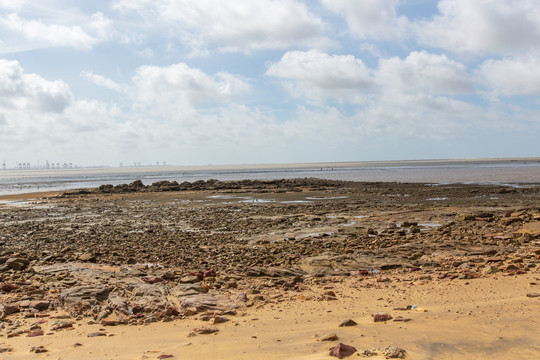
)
(8, 287)
(210, 273)
(165, 356)
(37, 332)
(341, 350)
(152, 279)
(11, 309)
(381, 317)
(199, 276)
(533, 295)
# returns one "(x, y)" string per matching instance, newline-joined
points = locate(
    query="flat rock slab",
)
(531, 228)
(85, 293)
(203, 302)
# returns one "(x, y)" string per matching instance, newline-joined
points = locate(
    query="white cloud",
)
(509, 77)
(483, 26)
(176, 89)
(30, 91)
(234, 25)
(102, 81)
(373, 19)
(424, 72)
(11, 5)
(318, 76)
(56, 35)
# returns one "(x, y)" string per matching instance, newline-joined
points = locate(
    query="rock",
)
(203, 302)
(58, 325)
(205, 330)
(190, 311)
(274, 272)
(165, 356)
(190, 279)
(36, 332)
(152, 279)
(7, 288)
(95, 334)
(11, 309)
(218, 320)
(349, 322)
(39, 305)
(533, 295)
(88, 257)
(393, 352)
(382, 316)
(401, 318)
(5, 348)
(328, 337)
(17, 263)
(210, 273)
(38, 349)
(489, 270)
(341, 350)
(82, 293)
(242, 297)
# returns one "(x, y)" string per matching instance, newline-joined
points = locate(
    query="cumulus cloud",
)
(424, 72)
(483, 26)
(182, 87)
(317, 76)
(235, 25)
(511, 76)
(370, 19)
(30, 91)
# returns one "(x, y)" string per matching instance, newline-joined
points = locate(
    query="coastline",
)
(272, 267)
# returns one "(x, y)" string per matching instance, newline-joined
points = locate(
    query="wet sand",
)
(280, 263)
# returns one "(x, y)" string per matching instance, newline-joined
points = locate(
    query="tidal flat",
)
(268, 269)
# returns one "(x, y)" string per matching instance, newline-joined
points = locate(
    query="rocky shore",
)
(211, 250)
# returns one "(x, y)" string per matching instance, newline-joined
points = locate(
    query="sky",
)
(199, 82)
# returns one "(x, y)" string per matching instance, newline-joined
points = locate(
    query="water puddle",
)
(326, 198)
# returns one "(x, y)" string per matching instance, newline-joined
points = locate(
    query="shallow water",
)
(515, 173)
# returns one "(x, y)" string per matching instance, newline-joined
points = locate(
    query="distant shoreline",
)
(323, 165)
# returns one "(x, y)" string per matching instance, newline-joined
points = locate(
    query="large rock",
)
(203, 302)
(85, 293)
(17, 263)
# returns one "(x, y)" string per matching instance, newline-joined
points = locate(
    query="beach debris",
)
(341, 350)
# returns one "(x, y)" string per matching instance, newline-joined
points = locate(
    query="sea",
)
(512, 172)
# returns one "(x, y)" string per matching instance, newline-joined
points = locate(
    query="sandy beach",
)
(270, 270)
